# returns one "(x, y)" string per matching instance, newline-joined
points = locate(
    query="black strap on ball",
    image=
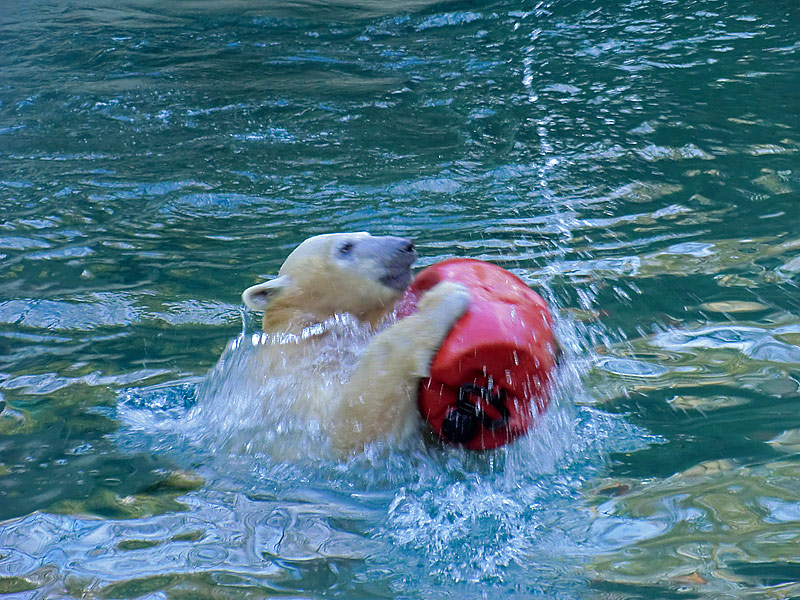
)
(461, 422)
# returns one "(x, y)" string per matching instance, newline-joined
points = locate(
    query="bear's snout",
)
(397, 261)
(403, 254)
(405, 248)
(408, 247)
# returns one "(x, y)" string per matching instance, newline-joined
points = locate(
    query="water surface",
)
(635, 161)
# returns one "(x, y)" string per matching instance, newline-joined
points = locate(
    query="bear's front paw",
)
(449, 298)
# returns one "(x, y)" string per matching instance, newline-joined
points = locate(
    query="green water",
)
(636, 161)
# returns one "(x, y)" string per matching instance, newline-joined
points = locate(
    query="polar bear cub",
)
(362, 276)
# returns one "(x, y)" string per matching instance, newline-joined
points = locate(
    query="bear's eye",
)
(345, 248)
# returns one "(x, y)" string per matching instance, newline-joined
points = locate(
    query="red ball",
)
(490, 378)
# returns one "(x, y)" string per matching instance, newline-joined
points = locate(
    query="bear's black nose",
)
(406, 251)
(401, 246)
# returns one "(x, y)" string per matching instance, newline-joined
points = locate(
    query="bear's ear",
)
(259, 296)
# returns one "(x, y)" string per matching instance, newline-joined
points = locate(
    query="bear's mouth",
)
(397, 279)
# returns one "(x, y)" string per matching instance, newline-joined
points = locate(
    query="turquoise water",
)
(635, 161)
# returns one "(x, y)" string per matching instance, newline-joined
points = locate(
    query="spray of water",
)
(464, 517)
(255, 398)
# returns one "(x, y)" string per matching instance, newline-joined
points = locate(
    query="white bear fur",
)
(363, 276)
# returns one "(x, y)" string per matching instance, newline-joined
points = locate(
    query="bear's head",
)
(335, 273)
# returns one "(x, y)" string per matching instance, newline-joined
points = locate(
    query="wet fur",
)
(377, 400)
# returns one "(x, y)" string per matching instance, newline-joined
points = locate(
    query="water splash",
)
(464, 517)
(247, 404)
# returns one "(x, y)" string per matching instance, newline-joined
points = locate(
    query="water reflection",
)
(718, 516)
